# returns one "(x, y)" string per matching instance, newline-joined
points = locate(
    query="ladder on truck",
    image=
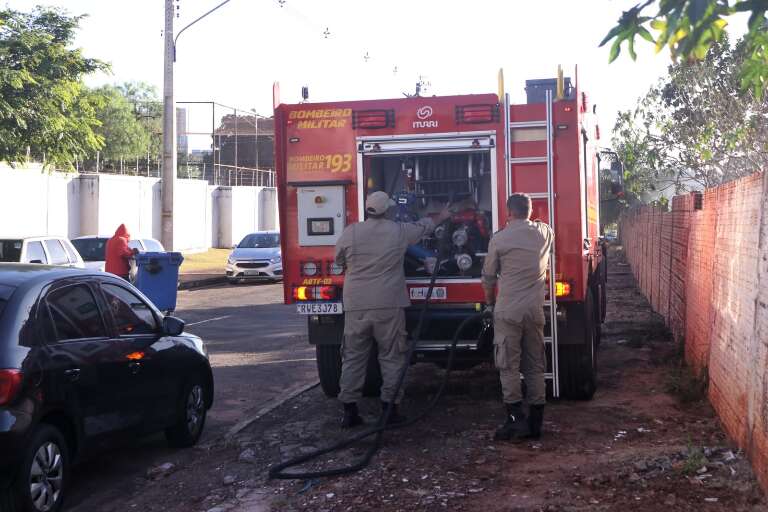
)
(550, 305)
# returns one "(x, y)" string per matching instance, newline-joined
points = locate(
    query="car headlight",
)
(276, 259)
(231, 260)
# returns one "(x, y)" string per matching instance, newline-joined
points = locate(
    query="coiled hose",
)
(278, 471)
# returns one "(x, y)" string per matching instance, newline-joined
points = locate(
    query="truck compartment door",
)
(321, 214)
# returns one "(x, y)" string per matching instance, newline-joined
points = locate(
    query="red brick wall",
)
(706, 272)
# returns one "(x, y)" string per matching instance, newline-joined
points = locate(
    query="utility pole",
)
(169, 131)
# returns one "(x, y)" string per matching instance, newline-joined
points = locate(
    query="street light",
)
(169, 120)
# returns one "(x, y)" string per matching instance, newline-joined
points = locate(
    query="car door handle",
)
(73, 373)
(135, 368)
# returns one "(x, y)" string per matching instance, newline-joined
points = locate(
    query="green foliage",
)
(42, 100)
(689, 28)
(148, 109)
(123, 134)
(695, 129)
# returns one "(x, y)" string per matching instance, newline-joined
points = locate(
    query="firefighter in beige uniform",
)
(375, 295)
(517, 260)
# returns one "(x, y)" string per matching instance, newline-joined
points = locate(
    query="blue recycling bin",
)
(157, 277)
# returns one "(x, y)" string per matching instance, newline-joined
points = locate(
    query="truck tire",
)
(599, 314)
(577, 364)
(329, 368)
(329, 371)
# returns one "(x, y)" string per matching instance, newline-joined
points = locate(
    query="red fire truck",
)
(472, 151)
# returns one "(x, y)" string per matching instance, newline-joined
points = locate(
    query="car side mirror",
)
(234, 247)
(172, 326)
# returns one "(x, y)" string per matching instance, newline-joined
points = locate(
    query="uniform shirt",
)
(372, 254)
(517, 259)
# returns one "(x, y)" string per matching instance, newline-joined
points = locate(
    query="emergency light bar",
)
(373, 119)
(475, 114)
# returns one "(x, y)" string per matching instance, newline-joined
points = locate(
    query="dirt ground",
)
(647, 441)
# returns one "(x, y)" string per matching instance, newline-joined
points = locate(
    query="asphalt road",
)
(258, 349)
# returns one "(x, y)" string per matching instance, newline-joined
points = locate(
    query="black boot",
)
(516, 426)
(394, 417)
(351, 416)
(535, 419)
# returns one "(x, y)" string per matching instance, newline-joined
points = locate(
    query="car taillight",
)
(10, 382)
(314, 293)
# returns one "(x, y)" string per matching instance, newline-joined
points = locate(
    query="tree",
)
(123, 134)
(149, 110)
(42, 105)
(696, 128)
(689, 28)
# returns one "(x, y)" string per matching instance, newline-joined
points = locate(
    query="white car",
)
(46, 250)
(256, 257)
(93, 248)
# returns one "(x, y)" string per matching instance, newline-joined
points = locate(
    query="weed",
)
(694, 459)
(686, 386)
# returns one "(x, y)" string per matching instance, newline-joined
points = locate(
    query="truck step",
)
(528, 160)
(528, 124)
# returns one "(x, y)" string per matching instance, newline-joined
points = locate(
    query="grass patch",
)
(212, 261)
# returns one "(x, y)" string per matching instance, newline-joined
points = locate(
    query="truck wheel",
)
(329, 371)
(578, 363)
(372, 386)
(329, 368)
(599, 315)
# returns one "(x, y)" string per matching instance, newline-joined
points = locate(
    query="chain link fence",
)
(223, 145)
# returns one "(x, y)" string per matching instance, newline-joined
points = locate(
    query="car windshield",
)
(10, 250)
(91, 249)
(258, 240)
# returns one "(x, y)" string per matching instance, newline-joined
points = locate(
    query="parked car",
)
(48, 250)
(93, 248)
(85, 359)
(256, 257)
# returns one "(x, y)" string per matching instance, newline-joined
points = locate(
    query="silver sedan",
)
(256, 257)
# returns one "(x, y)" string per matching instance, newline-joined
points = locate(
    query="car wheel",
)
(42, 479)
(190, 418)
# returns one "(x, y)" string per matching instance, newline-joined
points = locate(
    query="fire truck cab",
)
(472, 151)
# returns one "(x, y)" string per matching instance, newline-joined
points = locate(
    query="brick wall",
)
(705, 270)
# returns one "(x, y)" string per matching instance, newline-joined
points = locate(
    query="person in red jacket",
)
(118, 253)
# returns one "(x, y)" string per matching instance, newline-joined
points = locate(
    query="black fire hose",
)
(278, 471)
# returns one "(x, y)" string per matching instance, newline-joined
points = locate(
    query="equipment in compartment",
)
(421, 185)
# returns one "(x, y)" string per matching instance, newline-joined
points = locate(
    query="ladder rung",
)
(528, 124)
(547, 339)
(528, 160)
(547, 303)
(538, 195)
(548, 375)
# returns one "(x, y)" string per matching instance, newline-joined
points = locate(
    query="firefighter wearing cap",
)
(372, 254)
(517, 261)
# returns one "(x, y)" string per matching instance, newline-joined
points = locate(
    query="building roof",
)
(246, 125)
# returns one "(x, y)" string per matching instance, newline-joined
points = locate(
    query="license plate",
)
(438, 293)
(319, 308)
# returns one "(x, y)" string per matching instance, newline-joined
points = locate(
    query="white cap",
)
(378, 203)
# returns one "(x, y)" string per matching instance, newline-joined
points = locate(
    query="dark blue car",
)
(85, 358)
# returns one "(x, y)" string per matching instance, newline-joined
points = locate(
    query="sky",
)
(234, 55)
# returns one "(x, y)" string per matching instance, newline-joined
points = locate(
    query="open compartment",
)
(421, 184)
